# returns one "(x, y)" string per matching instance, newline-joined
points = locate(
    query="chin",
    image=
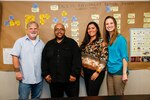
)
(59, 38)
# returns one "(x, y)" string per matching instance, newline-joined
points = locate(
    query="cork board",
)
(75, 16)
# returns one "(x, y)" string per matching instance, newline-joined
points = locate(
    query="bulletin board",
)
(74, 15)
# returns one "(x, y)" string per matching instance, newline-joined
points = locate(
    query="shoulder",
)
(42, 42)
(70, 40)
(101, 41)
(50, 42)
(121, 38)
(20, 40)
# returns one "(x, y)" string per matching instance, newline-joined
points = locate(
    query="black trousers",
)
(58, 89)
(93, 87)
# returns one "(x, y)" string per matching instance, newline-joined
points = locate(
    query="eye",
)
(59, 29)
(107, 23)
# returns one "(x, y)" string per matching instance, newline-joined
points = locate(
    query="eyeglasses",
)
(59, 29)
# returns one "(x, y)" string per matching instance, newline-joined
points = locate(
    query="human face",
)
(32, 31)
(110, 25)
(92, 30)
(59, 31)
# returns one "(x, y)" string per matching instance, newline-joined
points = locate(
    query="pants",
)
(92, 87)
(70, 88)
(25, 89)
(115, 86)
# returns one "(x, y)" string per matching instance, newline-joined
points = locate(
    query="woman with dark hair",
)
(117, 59)
(94, 56)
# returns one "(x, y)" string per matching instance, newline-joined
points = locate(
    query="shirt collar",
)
(27, 38)
(64, 39)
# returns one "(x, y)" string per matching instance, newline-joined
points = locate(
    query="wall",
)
(138, 84)
(82, 11)
(138, 79)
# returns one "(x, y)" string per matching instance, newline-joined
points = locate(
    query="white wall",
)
(139, 83)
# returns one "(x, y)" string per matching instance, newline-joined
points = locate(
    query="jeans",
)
(25, 89)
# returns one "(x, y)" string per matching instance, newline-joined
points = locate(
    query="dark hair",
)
(106, 35)
(87, 37)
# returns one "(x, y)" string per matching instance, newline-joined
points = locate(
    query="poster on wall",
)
(140, 44)
(7, 58)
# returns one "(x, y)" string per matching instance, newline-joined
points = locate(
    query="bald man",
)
(61, 64)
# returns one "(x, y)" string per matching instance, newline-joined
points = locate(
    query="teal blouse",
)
(117, 52)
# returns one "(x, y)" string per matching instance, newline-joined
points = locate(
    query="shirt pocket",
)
(49, 53)
(66, 52)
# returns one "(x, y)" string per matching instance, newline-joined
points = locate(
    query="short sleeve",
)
(16, 48)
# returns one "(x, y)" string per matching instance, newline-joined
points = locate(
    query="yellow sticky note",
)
(64, 13)
(42, 21)
(17, 23)
(47, 16)
(12, 23)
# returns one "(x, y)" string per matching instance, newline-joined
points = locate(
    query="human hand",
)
(19, 76)
(48, 78)
(94, 76)
(125, 77)
(72, 78)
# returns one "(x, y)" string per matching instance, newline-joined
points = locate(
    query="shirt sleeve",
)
(16, 48)
(124, 49)
(44, 63)
(76, 63)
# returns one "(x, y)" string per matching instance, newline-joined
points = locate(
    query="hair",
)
(87, 37)
(106, 34)
(32, 22)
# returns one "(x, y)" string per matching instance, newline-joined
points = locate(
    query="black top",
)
(60, 60)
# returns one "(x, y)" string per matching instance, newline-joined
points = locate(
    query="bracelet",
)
(98, 71)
